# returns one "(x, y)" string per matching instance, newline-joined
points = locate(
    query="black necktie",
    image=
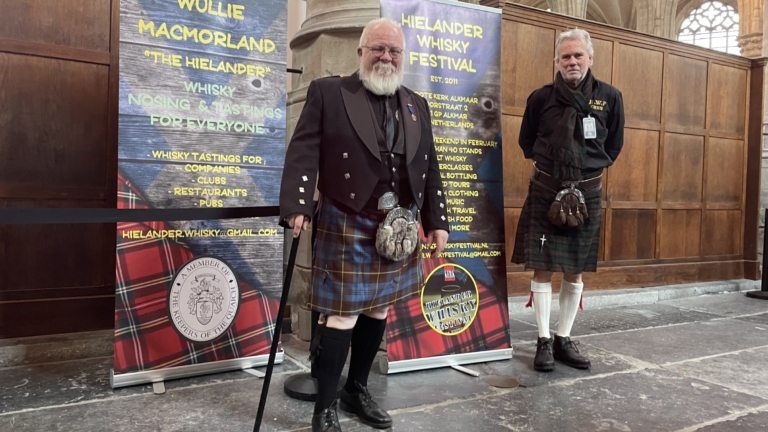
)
(389, 125)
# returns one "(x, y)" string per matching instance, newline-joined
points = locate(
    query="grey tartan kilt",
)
(348, 274)
(565, 250)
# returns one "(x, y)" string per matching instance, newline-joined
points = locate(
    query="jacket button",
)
(352, 196)
(346, 176)
(426, 157)
(345, 155)
(419, 194)
(423, 176)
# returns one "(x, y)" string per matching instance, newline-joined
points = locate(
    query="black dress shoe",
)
(327, 420)
(567, 352)
(544, 362)
(362, 405)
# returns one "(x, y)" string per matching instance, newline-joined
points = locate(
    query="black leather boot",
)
(327, 420)
(544, 362)
(362, 405)
(566, 352)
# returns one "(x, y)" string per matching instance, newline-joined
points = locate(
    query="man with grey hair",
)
(369, 141)
(572, 128)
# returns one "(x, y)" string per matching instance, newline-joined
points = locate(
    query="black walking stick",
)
(277, 333)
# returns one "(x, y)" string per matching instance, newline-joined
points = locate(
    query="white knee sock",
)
(570, 298)
(542, 304)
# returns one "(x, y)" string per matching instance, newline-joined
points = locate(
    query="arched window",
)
(713, 25)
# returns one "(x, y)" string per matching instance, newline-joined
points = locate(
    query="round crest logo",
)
(204, 299)
(450, 299)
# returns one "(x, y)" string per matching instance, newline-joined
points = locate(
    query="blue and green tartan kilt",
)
(564, 250)
(348, 274)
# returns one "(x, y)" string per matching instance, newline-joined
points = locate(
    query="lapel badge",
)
(410, 108)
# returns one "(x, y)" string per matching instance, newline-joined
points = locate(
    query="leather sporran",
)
(569, 210)
(398, 235)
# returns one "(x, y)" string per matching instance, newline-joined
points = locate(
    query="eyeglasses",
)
(379, 51)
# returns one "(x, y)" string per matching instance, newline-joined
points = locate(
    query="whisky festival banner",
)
(201, 125)
(452, 59)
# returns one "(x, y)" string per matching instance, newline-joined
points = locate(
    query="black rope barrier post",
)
(763, 293)
(278, 331)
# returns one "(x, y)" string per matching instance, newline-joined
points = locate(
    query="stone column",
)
(751, 27)
(326, 45)
(657, 17)
(574, 8)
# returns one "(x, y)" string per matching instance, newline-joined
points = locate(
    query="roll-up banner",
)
(201, 125)
(452, 59)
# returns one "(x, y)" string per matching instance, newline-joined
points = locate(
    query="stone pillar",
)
(574, 8)
(326, 45)
(751, 27)
(657, 17)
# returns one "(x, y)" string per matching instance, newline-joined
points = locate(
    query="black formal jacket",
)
(335, 137)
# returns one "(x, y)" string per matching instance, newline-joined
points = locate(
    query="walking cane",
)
(277, 333)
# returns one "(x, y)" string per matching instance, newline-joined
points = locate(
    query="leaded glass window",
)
(713, 25)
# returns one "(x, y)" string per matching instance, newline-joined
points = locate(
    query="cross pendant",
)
(543, 239)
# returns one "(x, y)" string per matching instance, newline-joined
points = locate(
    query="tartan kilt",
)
(349, 276)
(565, 250)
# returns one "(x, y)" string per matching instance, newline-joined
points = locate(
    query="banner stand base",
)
(160, 375)
(387, 367)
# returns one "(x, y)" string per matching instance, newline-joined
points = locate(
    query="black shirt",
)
(542, 113)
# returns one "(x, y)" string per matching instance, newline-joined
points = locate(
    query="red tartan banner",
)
(145, 339)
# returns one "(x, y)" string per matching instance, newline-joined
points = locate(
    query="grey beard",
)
(381, 85)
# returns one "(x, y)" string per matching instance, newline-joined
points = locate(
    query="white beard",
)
(383, 79)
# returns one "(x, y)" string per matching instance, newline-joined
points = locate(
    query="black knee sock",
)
(329, 349)
(366, 339)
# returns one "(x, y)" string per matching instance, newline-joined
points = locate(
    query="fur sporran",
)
(569, 210)
(398, 236)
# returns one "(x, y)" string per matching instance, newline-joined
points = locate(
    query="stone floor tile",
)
(753, 422)
(36, 386)
(682, 342)
(728, 304)
(745, 371)
(651, 400)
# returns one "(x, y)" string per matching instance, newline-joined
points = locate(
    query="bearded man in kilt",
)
(572, 128)
(369, 140)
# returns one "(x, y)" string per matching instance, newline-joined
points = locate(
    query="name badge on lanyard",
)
(590, 128)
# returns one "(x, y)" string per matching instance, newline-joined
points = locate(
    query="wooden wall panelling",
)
(58, 148)
(517, 169)
(633, 177)
(633, 234)
(602, 67)
(725, 181)
(722, 230)
(520, 78)
(53, 125)
(642, 91)
(685, 95)
(727, 100)
(511, 219)
(80, 24)
(683, 170)
(680, 233)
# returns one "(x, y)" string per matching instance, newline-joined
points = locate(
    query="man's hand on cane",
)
(299, 222)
